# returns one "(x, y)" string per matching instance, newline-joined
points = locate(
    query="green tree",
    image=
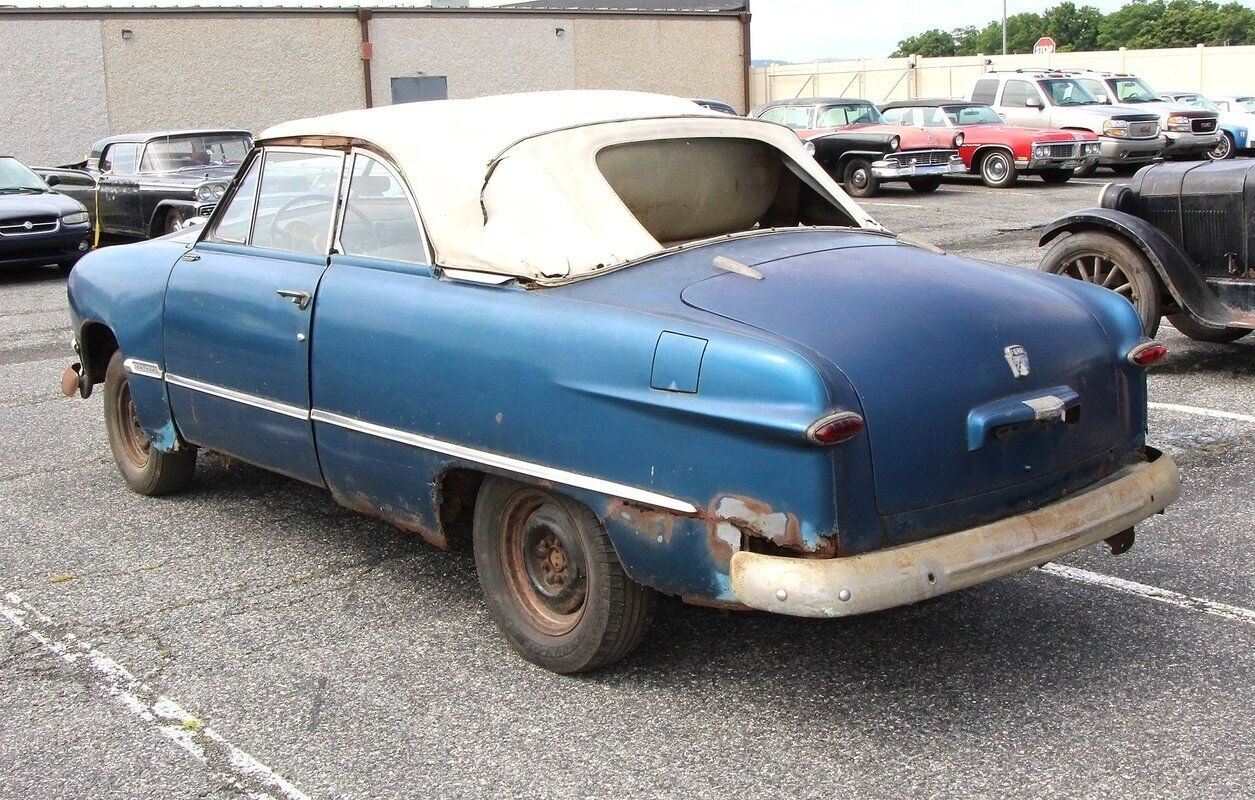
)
(935, 42)
(1073, 29)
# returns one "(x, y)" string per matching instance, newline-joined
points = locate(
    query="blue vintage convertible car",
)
(628, 346)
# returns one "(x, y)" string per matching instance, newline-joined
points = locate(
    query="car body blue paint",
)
(561, 377)
(677, 362)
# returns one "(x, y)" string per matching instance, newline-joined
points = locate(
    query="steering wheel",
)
(374, 245)
(289, 234)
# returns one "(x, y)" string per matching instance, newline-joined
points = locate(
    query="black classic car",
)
(38, 225)
(1177, 240)
(148, 184)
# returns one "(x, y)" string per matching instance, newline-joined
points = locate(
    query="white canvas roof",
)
(510, 184)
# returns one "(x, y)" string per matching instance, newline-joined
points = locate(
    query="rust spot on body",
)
(405, 520)
(654, 523)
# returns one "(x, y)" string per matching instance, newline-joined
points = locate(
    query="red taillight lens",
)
(1147, 354)
(835, 428)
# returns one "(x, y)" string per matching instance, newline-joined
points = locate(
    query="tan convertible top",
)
(511, 184)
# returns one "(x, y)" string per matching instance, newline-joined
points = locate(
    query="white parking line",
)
(1234, 613)
(1202, 412)
(233, 765)
(895, 205)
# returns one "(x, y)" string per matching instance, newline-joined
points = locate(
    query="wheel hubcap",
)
(1221, 150)
(996, 166)
(543, 562)
(860, 178)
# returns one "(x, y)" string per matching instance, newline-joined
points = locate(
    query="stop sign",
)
(1044, 45)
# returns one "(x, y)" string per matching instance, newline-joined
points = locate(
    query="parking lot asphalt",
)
(251, 637)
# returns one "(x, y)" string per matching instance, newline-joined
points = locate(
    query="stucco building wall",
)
(69, 79)
(49, 111)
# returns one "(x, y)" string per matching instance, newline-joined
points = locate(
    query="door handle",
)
(191, 255)
(300, 298)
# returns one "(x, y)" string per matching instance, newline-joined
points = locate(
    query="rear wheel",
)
(1205, 333)
(552, 579)
(1057, 175)
(997, 170)
(925, 185)
(857, 178)
(1110, 262)
(145, 469)
(1224, 149)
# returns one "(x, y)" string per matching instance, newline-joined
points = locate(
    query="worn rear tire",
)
(1206, 333)
(552, 579)
(146, 470)
(1074, 256)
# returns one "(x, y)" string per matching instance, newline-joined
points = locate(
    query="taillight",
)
(835, 428)
(1147, 354)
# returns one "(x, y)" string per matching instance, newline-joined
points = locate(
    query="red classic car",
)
(996, 151)
(851, 141)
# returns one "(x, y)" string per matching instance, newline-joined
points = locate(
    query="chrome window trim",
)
(149, 369)
(337, 195)
(243, 398)
(347, 185)
(209, 233)
(506, 463)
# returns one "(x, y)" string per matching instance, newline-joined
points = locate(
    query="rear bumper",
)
(897, 576)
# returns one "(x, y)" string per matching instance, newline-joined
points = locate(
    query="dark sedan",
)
(38, 226)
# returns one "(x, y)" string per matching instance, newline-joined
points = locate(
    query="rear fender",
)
(1174, 268)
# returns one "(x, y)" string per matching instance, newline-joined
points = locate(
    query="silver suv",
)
(1191, 131)
(1129, 137)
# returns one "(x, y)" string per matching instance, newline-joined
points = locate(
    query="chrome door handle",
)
(300, 298)
(191, 255)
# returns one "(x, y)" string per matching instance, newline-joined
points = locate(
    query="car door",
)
(238, 312)
(119, 189)
(1012, 106)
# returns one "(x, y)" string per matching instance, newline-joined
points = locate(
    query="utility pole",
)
(1004, 27)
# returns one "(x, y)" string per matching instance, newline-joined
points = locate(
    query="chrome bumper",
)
(896, 576)
(887, 171)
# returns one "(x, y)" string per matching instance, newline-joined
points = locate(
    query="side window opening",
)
(237, 217)
(120, 158)
(1017, 92)
(296, 201)
(985, 90)
(681, 190)
(379, 219)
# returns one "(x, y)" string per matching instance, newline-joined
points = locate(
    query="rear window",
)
(682, 190)
(985, 90)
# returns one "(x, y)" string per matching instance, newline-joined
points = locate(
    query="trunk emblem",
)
(1017, 359)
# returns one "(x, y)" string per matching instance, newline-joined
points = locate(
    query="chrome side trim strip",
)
(507, 463)
(239, 397)
(135, 366)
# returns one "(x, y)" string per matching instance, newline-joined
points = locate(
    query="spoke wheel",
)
(1223, 149)
(1110, 262)
(544, 565)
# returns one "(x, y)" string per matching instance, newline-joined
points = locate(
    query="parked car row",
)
(1055, 124)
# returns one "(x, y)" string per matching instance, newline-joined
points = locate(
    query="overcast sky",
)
(801, 30)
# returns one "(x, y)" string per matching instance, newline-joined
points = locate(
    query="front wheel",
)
(145, 469)
(1057, 176)
(1111, 262)
(858, 180)
(925, 185)
(174, 222)
(552, 580)
(1087, 169)
(1205, 333)
(1224, 149)
(997, 170)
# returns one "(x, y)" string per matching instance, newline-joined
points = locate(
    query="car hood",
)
(922, 338)
(910, 138)
(990, 132)
(1165, 110)
(33, 205)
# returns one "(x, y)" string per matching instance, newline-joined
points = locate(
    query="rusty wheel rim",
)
(1102, 270)
(546, 573)
(136, 447)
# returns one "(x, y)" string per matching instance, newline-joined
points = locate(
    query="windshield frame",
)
(34, 182)
(155, 169)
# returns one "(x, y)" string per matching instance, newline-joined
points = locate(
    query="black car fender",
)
(1176, 271)
(188, 209)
